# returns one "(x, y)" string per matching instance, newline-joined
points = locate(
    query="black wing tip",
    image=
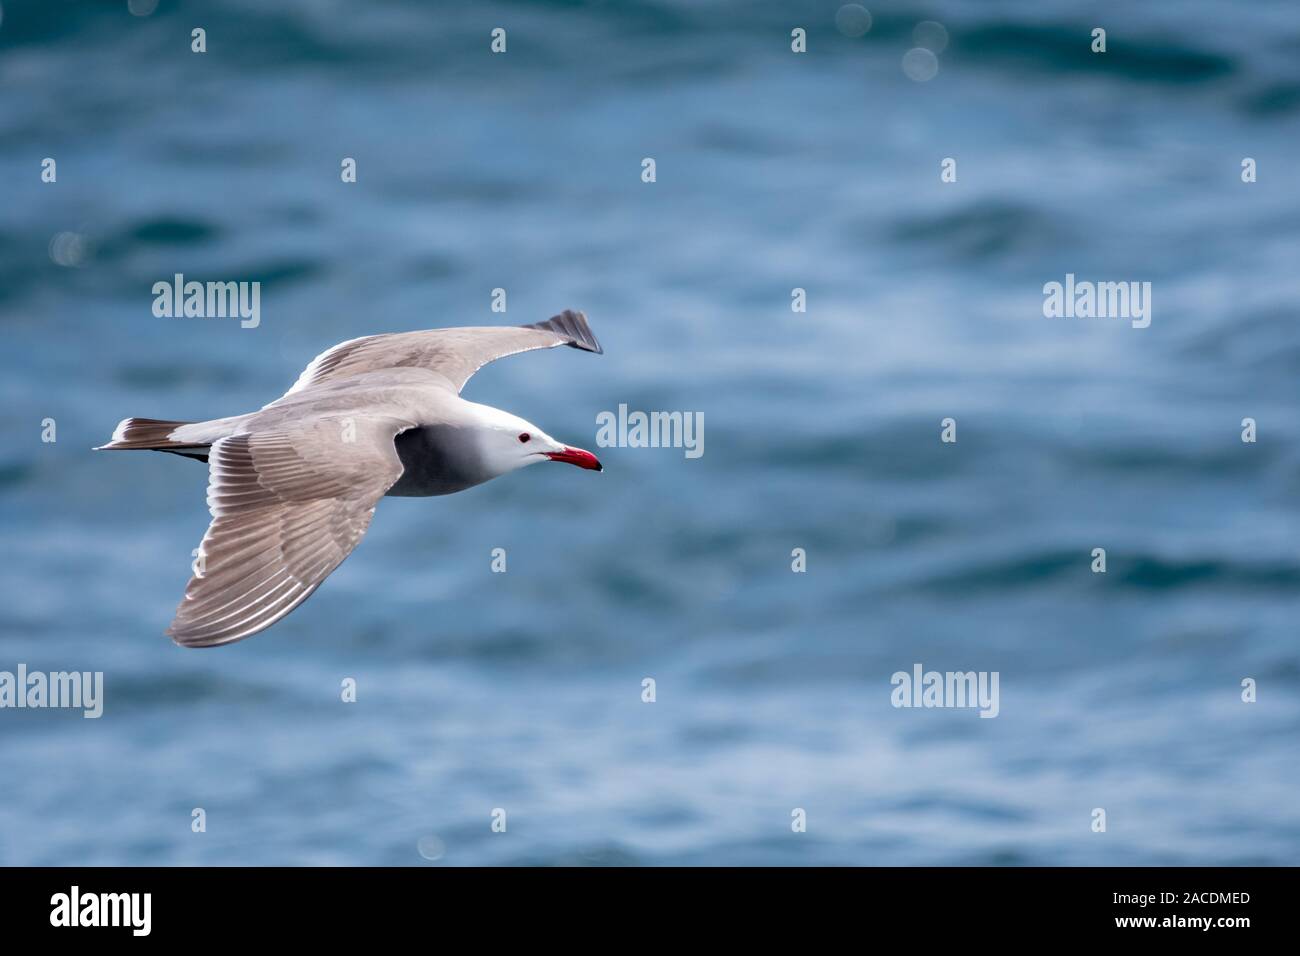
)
(573, 326)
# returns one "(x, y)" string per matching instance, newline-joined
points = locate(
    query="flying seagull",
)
(292, 487)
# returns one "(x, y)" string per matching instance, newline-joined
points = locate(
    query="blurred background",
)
(522, 690)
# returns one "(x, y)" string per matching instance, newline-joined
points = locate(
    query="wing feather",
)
(287, 508)
(456, 354)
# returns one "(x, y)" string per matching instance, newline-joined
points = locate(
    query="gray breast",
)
(438, 460)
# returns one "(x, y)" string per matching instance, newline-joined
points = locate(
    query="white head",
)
(507, 442)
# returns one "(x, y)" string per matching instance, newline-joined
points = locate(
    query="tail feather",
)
(148, 433)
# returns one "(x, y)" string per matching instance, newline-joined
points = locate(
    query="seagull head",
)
(508, 442)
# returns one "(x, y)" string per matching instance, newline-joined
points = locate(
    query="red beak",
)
(576, 456)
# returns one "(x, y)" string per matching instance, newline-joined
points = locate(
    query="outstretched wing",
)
(287, 507)
(456, 354)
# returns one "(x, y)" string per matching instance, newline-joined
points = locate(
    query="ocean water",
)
(522, 691)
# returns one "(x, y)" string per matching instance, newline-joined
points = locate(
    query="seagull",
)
(292, 487)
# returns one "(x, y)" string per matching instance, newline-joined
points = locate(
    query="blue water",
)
(522, 691)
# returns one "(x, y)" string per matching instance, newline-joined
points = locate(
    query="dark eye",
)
(524, 436)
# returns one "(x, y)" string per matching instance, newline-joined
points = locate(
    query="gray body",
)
(437, 460)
